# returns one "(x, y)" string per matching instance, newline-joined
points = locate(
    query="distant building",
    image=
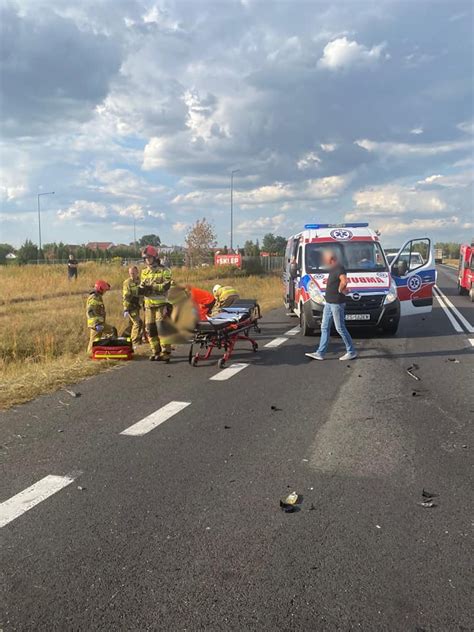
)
(100, 245)
(10, 256)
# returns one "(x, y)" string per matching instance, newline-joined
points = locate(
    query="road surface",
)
(175, 524)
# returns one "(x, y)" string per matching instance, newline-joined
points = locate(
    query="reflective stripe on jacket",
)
(225, 292)
(131, 295)
(95, 310)
(155, 283)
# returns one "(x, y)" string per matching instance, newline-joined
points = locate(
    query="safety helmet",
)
(216, 288)
(150, 251)
(101, 286)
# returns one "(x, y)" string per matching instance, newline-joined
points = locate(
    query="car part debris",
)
(227, 427)
(275, 408)
(427, 503)
(72, 393)
(455, 360)
(289, 503)
(411, 374)
(427, 494)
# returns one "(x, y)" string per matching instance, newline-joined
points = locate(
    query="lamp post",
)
(232, 208)
(39, 222)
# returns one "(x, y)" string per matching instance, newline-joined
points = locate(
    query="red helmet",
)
(150, 251)
(101, 286)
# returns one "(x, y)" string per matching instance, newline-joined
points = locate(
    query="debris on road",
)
(72, 393)
(289, 503)
(312, 508)
(275, 408)
(227, 427)
(427, 503)
(411, 374)
(455, 360)
(427, 494)
(81, 489)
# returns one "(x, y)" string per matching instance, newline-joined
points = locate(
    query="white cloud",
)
(83, 210)
(416, 131)
(328, 147)
(180, 227)
(308, 161)
(452, 181)
(271, 224)
(404, 150)
(467, 127)
(344, 53)
(393, 199)
(415, 227)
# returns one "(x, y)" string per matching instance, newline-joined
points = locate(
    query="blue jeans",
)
(334, 311)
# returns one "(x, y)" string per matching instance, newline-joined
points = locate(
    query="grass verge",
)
(43, 341)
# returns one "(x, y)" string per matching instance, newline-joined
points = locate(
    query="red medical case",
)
(112, 349)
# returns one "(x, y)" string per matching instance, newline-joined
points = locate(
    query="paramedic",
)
(224, 296)
(334, 308)
(155, 281)
(95, 312)
(131, 305)
(203, 301)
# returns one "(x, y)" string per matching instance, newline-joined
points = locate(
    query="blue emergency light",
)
(356, 225)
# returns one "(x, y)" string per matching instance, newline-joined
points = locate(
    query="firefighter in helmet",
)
(155, 281)
(95, 311)
(224, 296)
(131, 305)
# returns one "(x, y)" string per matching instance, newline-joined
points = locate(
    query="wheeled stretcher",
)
(224, 330)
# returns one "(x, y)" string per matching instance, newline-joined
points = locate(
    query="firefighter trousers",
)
(155, 327)
(134, 329)
(107, 332)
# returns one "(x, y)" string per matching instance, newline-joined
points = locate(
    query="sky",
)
(137, 111)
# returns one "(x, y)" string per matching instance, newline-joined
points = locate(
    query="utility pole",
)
(39, 223)
(232, 207)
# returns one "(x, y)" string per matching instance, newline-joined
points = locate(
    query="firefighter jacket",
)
(155, 283)
(95, 310)
(224, 292)
(131, 295)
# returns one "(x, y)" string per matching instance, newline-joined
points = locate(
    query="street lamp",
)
(39, 221)
(232, 207)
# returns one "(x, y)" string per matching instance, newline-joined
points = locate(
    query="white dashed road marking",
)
(225, 374)
(276, 342)
(293, 332)
(471, 340)
(28, 498)
(155, 419)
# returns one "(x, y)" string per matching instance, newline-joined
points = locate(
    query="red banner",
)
(228, 260)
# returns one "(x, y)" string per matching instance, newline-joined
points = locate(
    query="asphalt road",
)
(180, 528)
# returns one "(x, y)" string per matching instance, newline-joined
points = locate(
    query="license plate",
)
(357, 316)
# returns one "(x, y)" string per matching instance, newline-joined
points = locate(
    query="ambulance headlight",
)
(315, 293)
(392, 294)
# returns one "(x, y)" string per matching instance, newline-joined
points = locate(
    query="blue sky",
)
(138, 110)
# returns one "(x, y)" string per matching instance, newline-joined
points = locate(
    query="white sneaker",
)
(315, 356)
(348, 356)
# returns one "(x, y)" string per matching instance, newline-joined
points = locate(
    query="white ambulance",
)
(379, 293)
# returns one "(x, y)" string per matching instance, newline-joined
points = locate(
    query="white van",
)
(379, 292)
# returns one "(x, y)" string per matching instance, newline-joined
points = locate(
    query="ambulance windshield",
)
(355, 256)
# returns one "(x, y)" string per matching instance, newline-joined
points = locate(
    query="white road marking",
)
(457, 327)
(464, 321)
(155, 419)
(471, 340)
(276, 342)
(28, 498)
(225, 374)
(293, 332)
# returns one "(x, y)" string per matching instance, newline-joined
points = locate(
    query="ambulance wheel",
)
(194, 361)
(221, 363)
(306, 330)
(461, 290)
(471, 294)
(255, 347)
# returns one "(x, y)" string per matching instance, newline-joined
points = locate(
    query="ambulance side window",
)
(300, 260)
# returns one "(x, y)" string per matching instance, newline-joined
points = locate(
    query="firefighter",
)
(131, 305)
(95, 311)
(224, 296)
(155, 281)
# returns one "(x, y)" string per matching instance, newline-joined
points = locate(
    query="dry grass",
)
(451, 262)
(43, 341)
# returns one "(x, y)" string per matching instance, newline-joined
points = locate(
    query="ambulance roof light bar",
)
(355, 225)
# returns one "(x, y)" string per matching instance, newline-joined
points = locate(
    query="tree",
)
(4, 250)
(28, 252)
(200, 240)
(150, 240)
(251, 249)
(274, 245)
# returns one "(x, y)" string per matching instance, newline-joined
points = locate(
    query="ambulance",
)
(379, 293)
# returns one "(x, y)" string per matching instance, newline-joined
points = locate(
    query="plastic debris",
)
(72, 393)
(275, 408)
(60, 430)
(455, 360)
(289, 503)
(411, 374)
(312, 508)
(81, 489)
(427, 494)
(227, 427)
(427, 503)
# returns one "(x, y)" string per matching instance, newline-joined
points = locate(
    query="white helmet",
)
(216, 287)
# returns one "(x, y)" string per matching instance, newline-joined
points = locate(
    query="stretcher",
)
(224, 330)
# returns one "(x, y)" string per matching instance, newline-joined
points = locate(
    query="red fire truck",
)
(466, 270)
